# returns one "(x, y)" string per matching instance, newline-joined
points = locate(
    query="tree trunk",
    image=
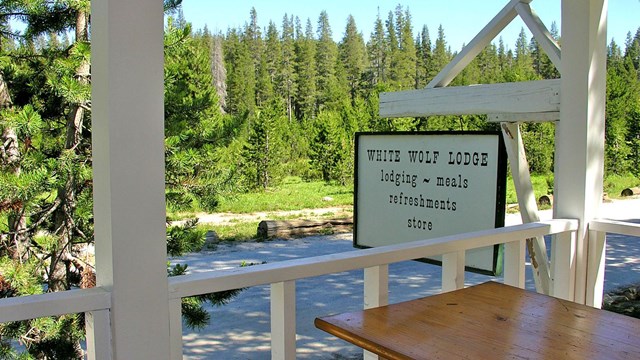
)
(60, 264)
(17, 242)
(219, 72)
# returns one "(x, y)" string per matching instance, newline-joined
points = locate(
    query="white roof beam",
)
(479, 42)
(540, 32)
(524, 117)
(521, 97)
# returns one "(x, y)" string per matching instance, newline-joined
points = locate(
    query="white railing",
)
(282, 276)
(615, 227)
(598, 228)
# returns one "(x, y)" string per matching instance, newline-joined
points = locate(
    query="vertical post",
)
(376, 293)
(128, 172)
(580, 132)
(595, 272)
(175, 328)
(514, 263)
(98, 328)
(283, 320)
(453, 271)
(563, 266)
(527, 203)
(376, 286)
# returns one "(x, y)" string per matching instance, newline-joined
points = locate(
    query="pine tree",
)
(441, 55)
(633, 49)
(306, 95)
(406, 54)
(376, 48)
(326, 59)
(423, 57)
(522, 68)
(352, 57)
(264, 147)
(192, 120)
(272, 57)
(287, 79)
(241, 80)
(391, 47)
(45, 94)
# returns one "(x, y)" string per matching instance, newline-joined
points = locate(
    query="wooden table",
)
(488, 321)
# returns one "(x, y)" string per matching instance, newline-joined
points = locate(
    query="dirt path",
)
(231, 218)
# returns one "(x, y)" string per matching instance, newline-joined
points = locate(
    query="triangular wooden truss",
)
(507, 103)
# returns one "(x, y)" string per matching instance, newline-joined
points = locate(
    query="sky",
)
(460, 19)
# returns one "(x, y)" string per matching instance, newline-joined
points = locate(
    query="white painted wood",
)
(376, 286)
(563, 275)
(376, 293)
(283, 320)
(524, 117)
(579, 155)
(595, 268)
(540, 32)
(128, 163)
(368, 355)
(616, 227)
(597, 230)
(514, 264)
(53, 304)
(175, 328)
(98, 335)
(522, 97)
(527, 202)
(475, 46)
(453, 271)
(206, 282)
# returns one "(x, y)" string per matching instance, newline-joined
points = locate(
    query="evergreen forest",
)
(244, 110)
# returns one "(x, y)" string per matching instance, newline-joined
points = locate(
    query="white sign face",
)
(416, 186)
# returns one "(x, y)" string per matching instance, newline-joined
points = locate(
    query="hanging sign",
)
(416, 186)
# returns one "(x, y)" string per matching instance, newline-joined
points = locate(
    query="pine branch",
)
(42, 219)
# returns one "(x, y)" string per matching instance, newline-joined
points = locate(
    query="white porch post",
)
(128, 154)
(580, 132)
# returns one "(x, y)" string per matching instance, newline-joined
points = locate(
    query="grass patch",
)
(542, 185)
(294, 194)
(291, 195)
(614, 184)
(241, 231)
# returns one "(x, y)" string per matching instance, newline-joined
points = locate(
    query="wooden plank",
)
(475, 46)
(53, 304)
(488, 320)
(525, 117)
(527, 203)
(522, 97)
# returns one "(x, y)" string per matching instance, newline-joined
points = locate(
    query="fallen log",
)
(630, 191)
(289, 228)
